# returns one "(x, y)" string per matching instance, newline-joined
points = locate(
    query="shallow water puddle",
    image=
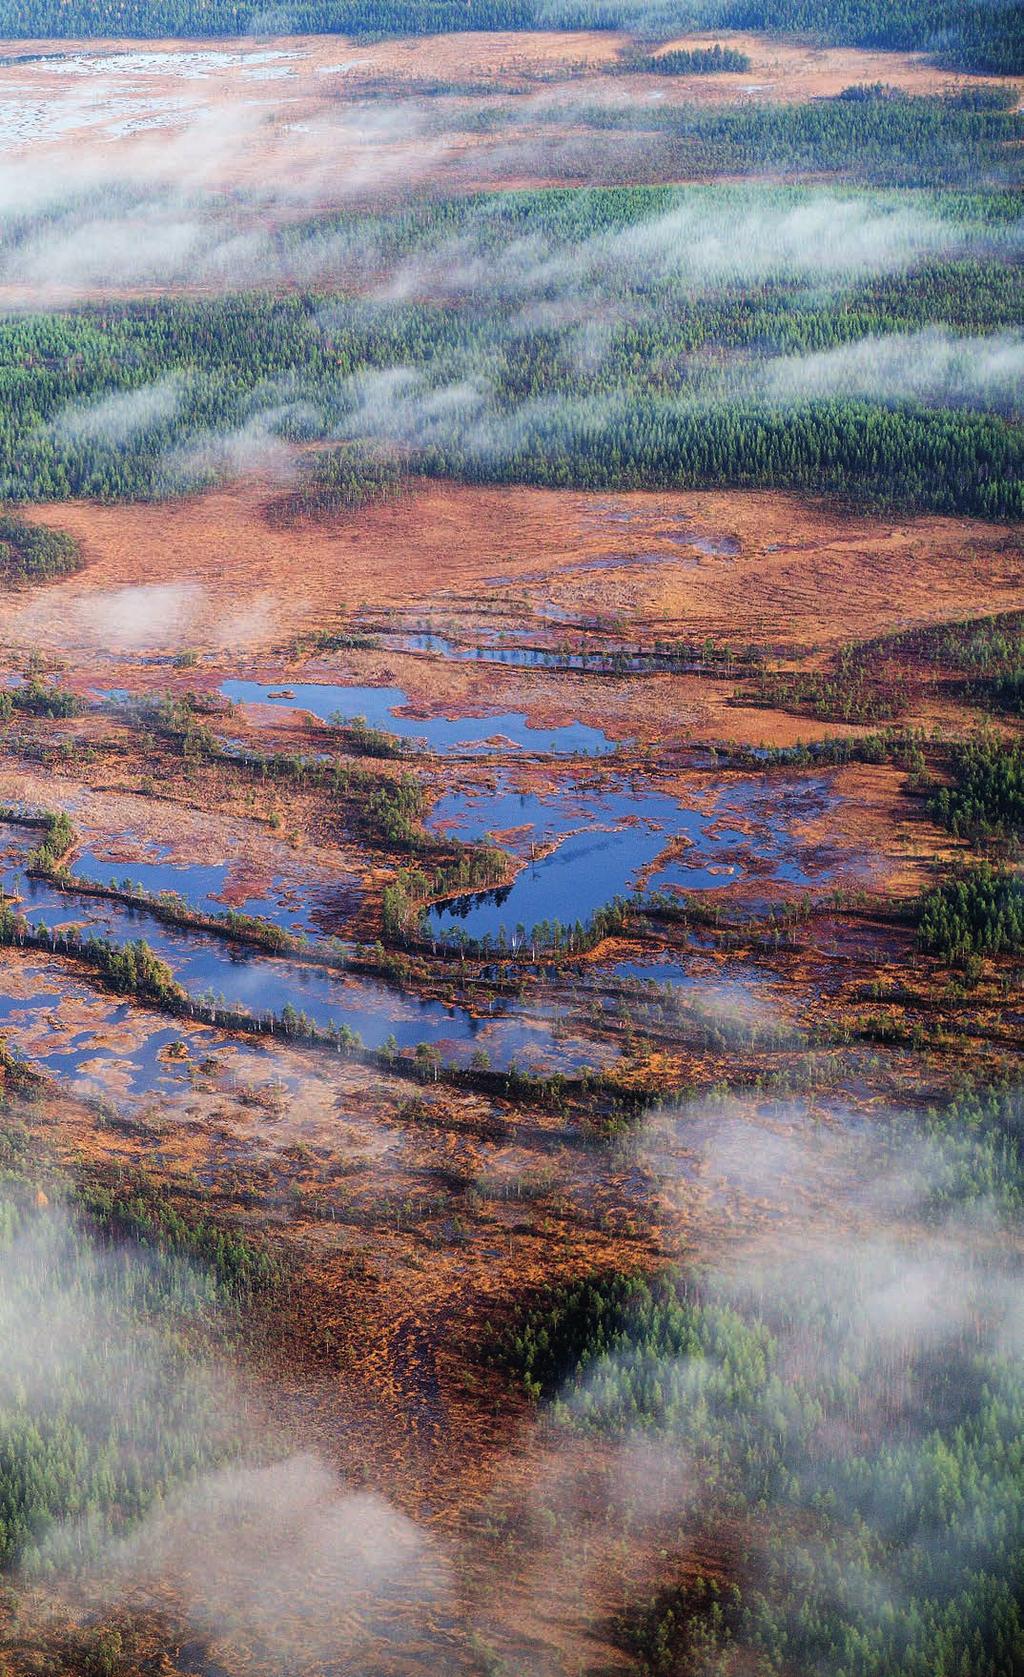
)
(98, 1045)
(214, 888)
(606, 660)
(213, 969)
(658, 969)
(381, 707)
(671, 527)
(675, 530)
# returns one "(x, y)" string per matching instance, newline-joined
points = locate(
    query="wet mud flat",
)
(614, 839)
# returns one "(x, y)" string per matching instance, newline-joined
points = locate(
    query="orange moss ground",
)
(276, 98)
(210, 575)
(214, 576)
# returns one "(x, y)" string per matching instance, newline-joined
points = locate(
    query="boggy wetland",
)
(511, 802)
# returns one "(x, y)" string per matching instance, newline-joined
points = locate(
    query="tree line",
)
(986, 35)
(985, 797)
(918, 459)
(651, 411)
(872, 134)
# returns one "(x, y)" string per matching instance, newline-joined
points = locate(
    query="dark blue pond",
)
(658, 970)
(616, 836)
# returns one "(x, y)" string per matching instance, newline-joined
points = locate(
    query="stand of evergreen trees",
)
(870, 134)
(903, 457)
(683, 61)
(633, 437)
(34, 553)
(980, 911)
(986, 35)
(482, 396)
(333, 483)
(869, 1481)
(986, 797)
(105, 1400)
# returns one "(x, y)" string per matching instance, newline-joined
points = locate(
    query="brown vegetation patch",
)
(209, 573)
